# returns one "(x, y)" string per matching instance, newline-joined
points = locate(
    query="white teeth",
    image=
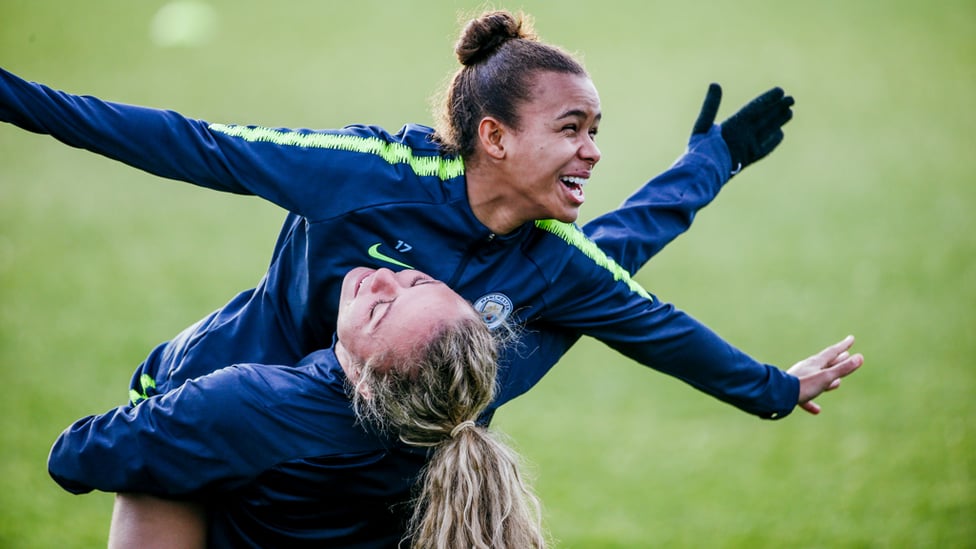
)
(574, 180)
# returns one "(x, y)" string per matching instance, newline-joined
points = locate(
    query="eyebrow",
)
(389, 306)
(578, 113)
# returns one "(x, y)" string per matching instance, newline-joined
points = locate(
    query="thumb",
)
(709, 108)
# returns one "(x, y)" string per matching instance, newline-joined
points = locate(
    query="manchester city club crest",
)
(494, 309)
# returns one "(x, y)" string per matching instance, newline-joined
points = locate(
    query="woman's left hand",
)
(824, 371)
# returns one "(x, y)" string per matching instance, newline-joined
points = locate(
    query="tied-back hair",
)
(471, 493)
(500, 57)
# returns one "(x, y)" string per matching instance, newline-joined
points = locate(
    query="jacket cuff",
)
(712, 147)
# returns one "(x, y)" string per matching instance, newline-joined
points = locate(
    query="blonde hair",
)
(472, 493)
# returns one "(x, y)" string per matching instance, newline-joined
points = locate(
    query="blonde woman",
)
(328, 452)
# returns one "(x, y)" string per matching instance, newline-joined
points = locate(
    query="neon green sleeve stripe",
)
(146, 382)
(575, 237)
(392, 153)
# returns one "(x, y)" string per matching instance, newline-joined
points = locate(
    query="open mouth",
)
(575, 187)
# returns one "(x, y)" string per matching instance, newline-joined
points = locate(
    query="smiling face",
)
(382, 313)
(551, 155)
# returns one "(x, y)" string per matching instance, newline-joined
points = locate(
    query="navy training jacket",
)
(362, 196)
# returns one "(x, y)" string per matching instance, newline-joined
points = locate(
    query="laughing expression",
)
(553, 151)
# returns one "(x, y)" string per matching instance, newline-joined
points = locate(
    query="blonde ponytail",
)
(471, 493)
(474, 496)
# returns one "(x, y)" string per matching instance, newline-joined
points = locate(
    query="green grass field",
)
(861, 222)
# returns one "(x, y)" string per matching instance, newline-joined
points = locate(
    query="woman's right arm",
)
(665, 206)
(160, 142)
(298, 170)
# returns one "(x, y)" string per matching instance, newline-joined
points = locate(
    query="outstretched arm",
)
(302, 171)
(160, 142)
(664, 207)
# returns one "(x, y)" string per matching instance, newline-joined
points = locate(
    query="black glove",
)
(754, 131)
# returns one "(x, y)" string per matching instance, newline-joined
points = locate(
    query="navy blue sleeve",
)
(664, 207)
(656, 333)
(589, 293)
(210, 435)
(665, 339)
(660, 336)
(312, 173)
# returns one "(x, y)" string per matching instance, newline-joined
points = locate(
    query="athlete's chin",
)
(569, 215)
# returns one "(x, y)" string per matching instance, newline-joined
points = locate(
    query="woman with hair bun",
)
(486, 203)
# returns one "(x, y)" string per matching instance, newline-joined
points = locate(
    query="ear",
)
(364, 390)
(490, 135)
(350, 366)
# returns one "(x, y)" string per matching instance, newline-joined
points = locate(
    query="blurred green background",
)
(861, 222)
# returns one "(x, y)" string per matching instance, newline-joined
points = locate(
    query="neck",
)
(492, 203)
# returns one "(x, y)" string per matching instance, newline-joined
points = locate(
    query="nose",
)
(383, 282)
(589, 151)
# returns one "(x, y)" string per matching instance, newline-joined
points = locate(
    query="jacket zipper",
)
(467, 258)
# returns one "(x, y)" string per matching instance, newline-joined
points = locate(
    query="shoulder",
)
(318, 373)
(288, 411)
(251, 386)
(367, 138)
(565, 247)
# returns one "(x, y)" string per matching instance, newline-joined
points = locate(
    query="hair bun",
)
(483, 36)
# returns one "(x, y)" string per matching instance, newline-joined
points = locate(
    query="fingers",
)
(768, 112)
(755, 130)
(761, 106)
(845, 367)
(709, 109)
(827, 358)
(824, 371)
(830, 378)
(838, 359)
(830, 354)
(811, 407)
(774, 117)
(770, 96)
(814, 408)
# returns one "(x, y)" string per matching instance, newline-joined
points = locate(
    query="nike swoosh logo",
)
(374, 252)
